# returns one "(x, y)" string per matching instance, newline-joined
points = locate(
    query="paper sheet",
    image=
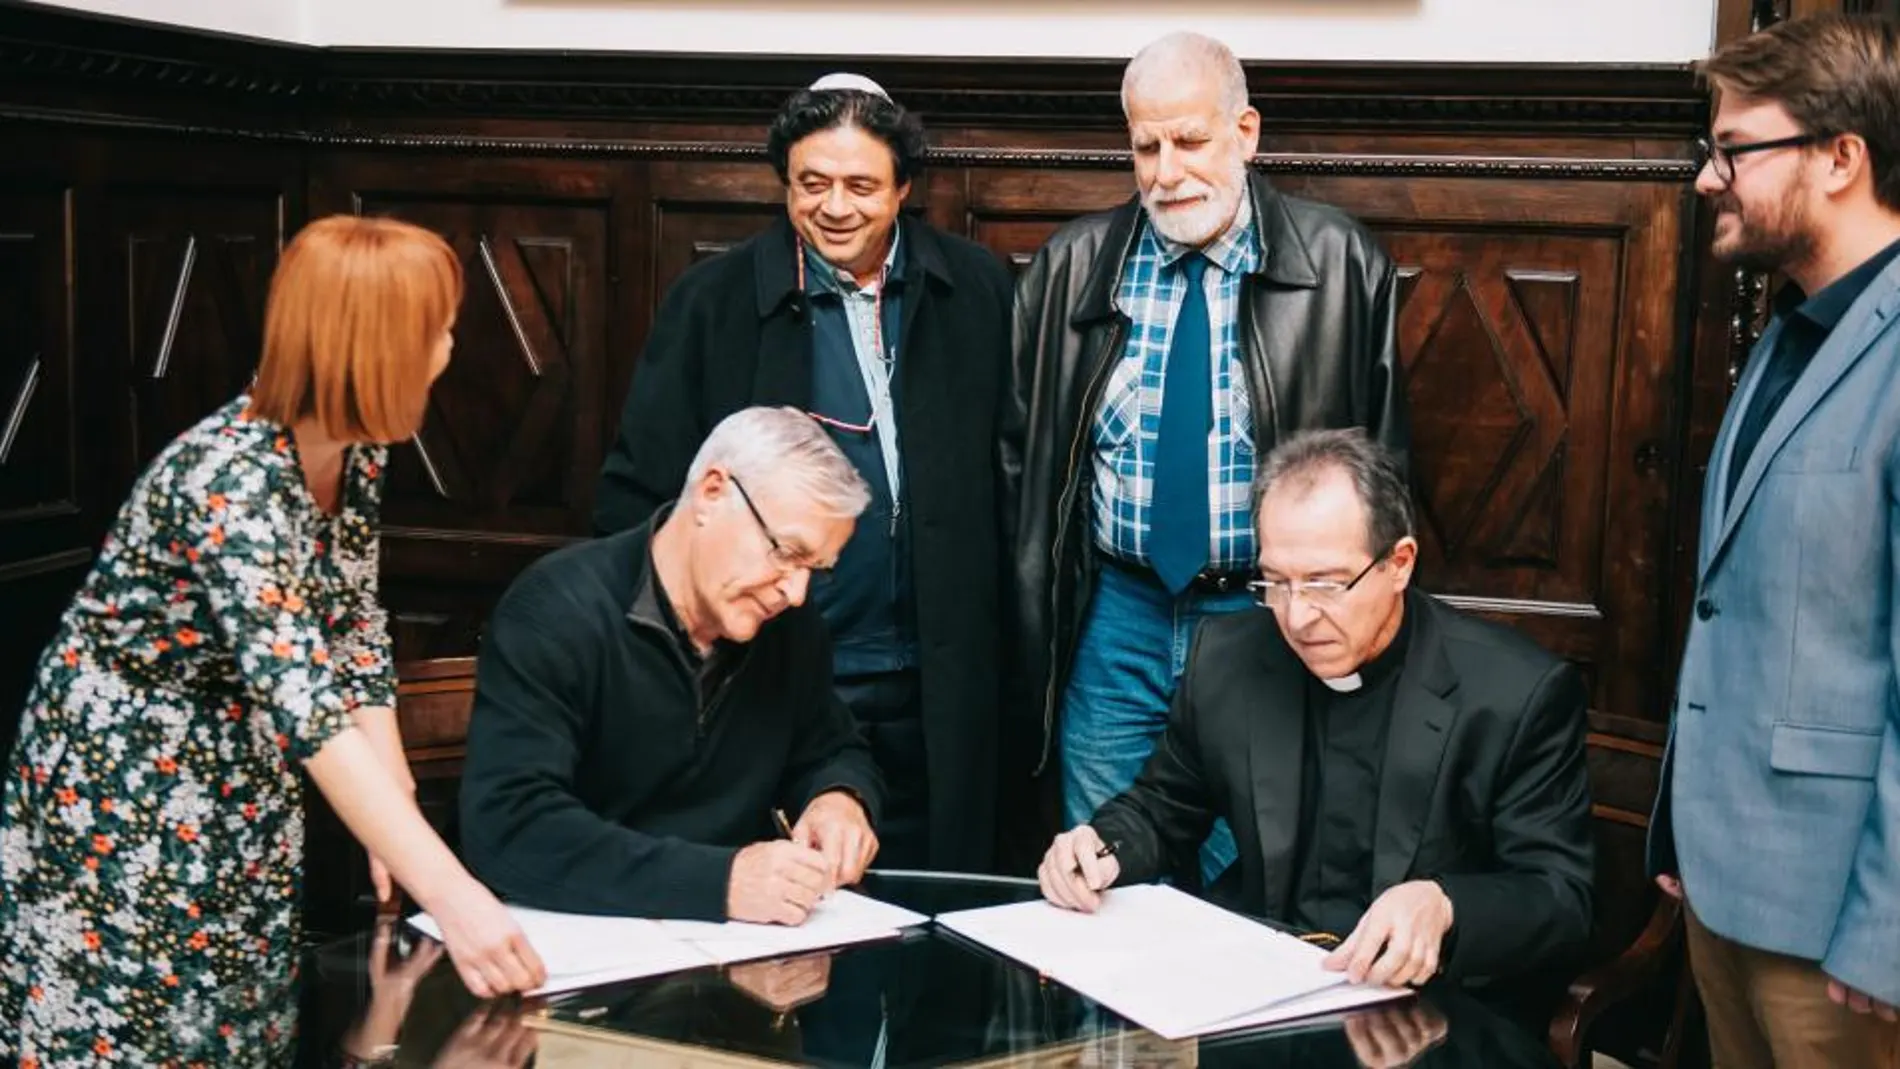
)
(583, 951)
(843, 917)
(580, 950)
(1170, 962)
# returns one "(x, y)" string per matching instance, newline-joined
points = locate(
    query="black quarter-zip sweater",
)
(609, 770)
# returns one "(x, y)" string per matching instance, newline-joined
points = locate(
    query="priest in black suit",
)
(1395, 771)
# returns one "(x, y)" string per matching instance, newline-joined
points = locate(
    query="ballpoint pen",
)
(1105, 850)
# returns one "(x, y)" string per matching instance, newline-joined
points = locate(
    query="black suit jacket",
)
(734, 332)
(1483, 788)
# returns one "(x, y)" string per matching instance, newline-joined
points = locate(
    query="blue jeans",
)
(1134, 647)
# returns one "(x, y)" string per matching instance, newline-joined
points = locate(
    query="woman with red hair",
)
(227, 638)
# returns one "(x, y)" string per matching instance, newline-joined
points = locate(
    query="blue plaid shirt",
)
(1129, 420)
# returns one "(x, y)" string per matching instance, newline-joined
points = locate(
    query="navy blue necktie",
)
(1177, 518)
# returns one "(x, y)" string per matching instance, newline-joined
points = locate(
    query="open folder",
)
(581, 950)
(1168, 961)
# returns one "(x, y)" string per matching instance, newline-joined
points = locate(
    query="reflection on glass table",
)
(927, 999)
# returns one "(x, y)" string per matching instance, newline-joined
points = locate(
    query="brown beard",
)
(1760, 249)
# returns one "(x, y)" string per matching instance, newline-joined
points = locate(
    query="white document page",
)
(843, 917)
(1164, 959)
(581, 950)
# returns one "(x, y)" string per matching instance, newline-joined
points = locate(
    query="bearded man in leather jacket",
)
(1158, 349)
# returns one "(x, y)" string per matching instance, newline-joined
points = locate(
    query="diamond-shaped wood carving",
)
(1488, 346)
(197, 271)
(490, 438)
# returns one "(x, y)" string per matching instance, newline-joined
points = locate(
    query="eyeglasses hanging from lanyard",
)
(877, 346)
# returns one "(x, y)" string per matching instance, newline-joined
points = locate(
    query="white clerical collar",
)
(1345, 684)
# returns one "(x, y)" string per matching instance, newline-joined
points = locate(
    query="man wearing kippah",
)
(894, 336)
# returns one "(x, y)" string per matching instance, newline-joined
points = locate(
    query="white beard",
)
(1201, 224)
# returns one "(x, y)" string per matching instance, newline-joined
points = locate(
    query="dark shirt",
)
(867, 599)
(609, 771)
(651, 607)
(1807, 322)
(1341, 769)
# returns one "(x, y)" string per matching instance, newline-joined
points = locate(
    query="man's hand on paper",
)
(836, 826)
(776, 883)
(785, 985)
(1073, 875)
(1389, 1037)
(1396, 943)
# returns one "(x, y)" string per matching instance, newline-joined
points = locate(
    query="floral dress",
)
(151, 838)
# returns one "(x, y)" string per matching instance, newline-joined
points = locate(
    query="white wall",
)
(1516, 31)
(280, 20)
(1600, 31)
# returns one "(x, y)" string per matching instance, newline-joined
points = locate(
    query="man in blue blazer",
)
(1779, 818)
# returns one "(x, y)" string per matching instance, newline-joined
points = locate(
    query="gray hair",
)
(787, 448)
(1375, 471)
(1185, 54)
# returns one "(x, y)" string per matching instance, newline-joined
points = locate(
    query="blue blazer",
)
(1780, 805)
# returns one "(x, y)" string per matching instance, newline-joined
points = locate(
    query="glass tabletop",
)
(929, 998)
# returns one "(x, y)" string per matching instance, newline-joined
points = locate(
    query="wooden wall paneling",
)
(503, 469)
(1013, 210)
(1537, 326)
(699, 209)
(49, 472)
(112, 342)
(44, 478)
(191, 235)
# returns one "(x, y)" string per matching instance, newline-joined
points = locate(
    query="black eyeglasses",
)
(785, 558)
(1723, 156)
(1278, 593)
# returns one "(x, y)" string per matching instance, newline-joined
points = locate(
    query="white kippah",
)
(845, 80)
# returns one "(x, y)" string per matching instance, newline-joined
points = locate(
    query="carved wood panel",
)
(504, 466)
(194, 266)
(42, 478)
(49, 482)
(700, 211)
(1509, 407)
(1014, 211)
(1537, 324)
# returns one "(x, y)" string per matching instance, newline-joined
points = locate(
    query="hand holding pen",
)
(1078, 867)
(776, 882)
(836, 825)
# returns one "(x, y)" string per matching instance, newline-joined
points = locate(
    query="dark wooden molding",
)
(1295, 163)
(1485, 97)
(55, 46)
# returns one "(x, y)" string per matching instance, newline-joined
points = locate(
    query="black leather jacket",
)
(1316, 328)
